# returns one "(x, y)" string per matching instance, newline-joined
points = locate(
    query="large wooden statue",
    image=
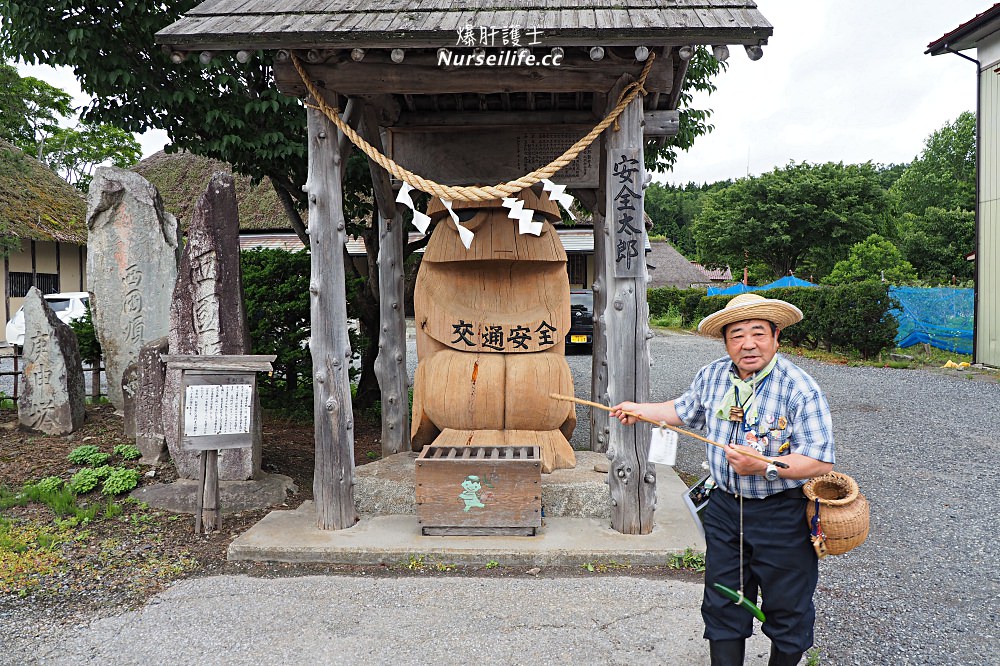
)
(491, 323)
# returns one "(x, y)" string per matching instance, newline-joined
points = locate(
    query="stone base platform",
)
(388, 532)
(181, 496)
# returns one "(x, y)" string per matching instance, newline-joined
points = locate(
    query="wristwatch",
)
(771, 473)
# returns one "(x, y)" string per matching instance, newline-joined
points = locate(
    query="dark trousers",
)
(778, 560)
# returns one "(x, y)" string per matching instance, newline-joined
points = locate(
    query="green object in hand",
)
(741, 601)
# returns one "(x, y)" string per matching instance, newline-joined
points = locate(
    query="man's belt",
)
(788, 493)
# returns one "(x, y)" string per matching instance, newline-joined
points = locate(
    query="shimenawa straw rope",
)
(487, 193)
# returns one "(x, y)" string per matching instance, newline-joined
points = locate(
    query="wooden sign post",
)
(217, 411)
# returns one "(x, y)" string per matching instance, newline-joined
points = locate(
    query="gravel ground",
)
(922, 590)
(922, 445)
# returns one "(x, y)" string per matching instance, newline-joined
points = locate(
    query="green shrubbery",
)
(853, 317)
(117, 480)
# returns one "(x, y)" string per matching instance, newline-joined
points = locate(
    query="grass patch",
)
(671, 319)
(27, 553)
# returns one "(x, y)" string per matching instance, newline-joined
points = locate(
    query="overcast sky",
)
(840, 80)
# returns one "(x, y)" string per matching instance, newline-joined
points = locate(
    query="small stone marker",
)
(207, 317)
(149, 397)
(132, 255)
(130, 386)
(53, 396)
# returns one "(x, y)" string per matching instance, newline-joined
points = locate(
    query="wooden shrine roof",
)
(307, 24)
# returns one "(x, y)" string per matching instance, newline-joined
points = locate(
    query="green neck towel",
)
(741, 394)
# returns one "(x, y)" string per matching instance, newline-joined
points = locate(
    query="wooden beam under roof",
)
(421, 75)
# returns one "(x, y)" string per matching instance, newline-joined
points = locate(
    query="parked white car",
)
(68, 306)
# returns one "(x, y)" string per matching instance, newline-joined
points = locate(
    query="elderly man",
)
(755, 400)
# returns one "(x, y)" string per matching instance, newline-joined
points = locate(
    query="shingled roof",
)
(35, 203)
(395, 47)
(307, 24)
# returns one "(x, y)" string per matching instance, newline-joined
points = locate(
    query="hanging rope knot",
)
(484, 193)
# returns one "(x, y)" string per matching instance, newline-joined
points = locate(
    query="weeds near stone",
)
(604, 567)
(689, 559)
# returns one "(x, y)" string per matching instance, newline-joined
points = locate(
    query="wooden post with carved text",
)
(631, 477)
(333, 480)
(390, 365)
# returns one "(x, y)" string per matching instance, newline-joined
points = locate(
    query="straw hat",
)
(750, 306)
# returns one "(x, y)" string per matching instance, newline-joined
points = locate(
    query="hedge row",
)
(850, 317)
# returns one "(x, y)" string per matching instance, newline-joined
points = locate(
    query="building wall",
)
(988, 236)
(66, 261)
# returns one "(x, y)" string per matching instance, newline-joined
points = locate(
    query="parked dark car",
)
(581, 324)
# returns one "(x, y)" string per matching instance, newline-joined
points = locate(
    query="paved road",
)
(922, 590)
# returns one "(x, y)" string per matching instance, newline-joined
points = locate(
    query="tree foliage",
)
(874, 258)
(802, 215)
(75, 152)
(30, 109)
(937, 241)
(673, 209)
(944, 175)
(276, 293)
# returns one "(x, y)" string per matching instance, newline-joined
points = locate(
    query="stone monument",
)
(53, 396)
(132, 255)
(149, 436)
(207, 316)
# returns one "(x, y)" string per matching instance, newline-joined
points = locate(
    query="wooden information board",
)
(216, 412)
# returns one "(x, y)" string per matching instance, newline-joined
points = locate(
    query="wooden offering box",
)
(479, 490)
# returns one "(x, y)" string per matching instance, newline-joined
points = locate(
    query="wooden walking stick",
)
(660, 424)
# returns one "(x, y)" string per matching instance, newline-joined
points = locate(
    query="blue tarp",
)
(939, 316)
(788, 281)
(740, 288)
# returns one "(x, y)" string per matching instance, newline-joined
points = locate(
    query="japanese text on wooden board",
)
(628, 228)
(497, 337)
(217, 410)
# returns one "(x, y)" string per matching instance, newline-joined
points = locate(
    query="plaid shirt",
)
(787, 397)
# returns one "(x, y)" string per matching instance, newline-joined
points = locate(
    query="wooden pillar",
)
(390, 365)
(599, 419)
(625, 317)
(333, 481)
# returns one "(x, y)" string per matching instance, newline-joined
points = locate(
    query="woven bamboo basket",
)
(843, 511)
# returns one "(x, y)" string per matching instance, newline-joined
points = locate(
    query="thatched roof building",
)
(35, 203)
(182, 177)
(669, 268)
